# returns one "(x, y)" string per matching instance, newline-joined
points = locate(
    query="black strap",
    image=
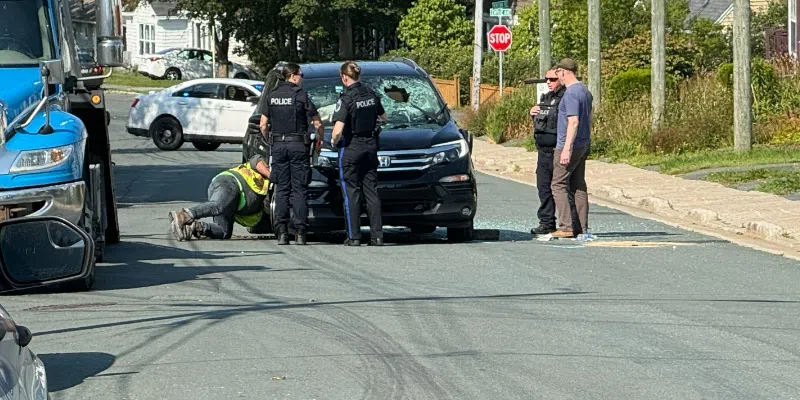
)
(286, 138)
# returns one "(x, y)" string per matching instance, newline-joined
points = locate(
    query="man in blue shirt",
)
(572, 148)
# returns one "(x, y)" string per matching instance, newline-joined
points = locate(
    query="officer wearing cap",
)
(545, 130)
(288, 109)
(355, 132)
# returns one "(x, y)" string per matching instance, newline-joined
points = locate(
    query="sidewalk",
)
(754, 219)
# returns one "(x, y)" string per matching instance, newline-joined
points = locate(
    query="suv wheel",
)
(460, 234)
(206, 146)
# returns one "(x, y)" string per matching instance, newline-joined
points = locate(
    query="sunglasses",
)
(552, 79)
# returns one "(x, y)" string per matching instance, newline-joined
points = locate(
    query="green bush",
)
(635, 52)
(432, 23)
(769, 95)
(628, 85)
(510, 117)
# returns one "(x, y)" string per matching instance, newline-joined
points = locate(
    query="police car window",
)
(200, 91)
(422, 106)
(237, 93)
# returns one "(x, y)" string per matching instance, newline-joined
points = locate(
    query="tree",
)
(436, 23)
(222, 17)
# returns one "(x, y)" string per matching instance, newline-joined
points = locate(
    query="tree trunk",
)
(293, 44)
(345, 36)
(222, 39)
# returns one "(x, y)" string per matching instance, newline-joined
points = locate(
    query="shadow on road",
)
(164, 183)
(155, 150)
(66, 370)
(132, 271)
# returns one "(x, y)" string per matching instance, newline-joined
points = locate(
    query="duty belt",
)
(289, 137)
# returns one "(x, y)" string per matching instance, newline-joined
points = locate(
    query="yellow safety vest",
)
(257, 183)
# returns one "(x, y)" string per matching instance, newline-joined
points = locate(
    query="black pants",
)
(544, 176)
(358, 173)
(290, 169)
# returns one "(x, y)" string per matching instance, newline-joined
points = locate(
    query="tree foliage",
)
(436, 23)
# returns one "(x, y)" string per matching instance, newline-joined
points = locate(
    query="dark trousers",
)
(569, 182)
(223, 200)
(290, 172)
(544, 179)
(358, 174)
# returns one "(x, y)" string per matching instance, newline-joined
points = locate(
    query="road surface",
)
(646, 311)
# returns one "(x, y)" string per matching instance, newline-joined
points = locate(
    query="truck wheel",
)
(460, 234)
(206, 146)
(167, 133)
(94, 220)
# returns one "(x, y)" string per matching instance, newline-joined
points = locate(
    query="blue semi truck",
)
(55, 155)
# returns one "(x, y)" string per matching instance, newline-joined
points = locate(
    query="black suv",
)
(425, 178)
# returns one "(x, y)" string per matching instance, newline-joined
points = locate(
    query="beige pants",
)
(571, 178)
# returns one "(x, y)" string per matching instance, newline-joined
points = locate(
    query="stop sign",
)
(499, 38)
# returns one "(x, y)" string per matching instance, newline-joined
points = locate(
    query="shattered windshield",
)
(409, 101)
(24, 33)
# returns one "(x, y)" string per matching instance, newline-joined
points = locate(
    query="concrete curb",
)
(759, 220)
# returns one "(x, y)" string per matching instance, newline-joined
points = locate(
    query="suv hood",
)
(21, 87)
(412, 138)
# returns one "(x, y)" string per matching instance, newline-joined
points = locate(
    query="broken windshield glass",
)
(408, 100)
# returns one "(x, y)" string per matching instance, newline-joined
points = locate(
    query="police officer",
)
(287, 112)
(355, 132)
(545, 123)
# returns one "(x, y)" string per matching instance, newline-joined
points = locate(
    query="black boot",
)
(349, 242)
(283, 239)
(300, 239)
(543, 230)
(376, 242)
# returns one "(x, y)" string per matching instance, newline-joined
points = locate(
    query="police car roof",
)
(368, 68)
(224, 81)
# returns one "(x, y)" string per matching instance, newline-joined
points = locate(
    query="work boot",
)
(563, 234)
(542, 230)
(376, 242)
(180, 221)
(283, 239)
(350, 242)
(197, 229)
(300, 239)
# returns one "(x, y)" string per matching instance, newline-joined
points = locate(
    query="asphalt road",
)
(679, 315)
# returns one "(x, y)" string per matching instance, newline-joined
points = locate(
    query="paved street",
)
(678, 315)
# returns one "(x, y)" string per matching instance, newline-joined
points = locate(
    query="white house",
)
(83, 23)
(157, 25)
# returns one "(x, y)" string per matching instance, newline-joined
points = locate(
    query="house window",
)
(147, 39)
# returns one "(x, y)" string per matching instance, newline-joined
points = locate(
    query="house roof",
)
(714, 10)
(164, 8)
(82, 10)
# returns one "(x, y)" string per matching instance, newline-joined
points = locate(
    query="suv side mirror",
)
(42, 251)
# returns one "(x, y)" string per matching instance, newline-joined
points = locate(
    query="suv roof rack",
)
(410, 63)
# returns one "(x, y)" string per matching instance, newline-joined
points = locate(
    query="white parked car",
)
(189, 63)
(206, 112)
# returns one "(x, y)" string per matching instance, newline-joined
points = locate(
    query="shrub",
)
(780, 129)
(432, 23)
(635, 52)
(510, 117)
(475, 121)
(621, 130)
(631, 84)
(696, 118)
(766, 84)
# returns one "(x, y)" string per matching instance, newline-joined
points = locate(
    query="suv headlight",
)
(460, 150)
(32, 160)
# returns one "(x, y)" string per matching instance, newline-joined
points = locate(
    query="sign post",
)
(499, 38)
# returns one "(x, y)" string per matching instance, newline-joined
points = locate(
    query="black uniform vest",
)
(286, 115)
(545, 124)
(363, 110)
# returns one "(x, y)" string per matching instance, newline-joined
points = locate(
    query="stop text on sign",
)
(499, 38)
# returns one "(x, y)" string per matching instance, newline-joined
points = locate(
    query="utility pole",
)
(594, 52)
(477, 54)
(657, 63)
(742, 100)
(544, 37)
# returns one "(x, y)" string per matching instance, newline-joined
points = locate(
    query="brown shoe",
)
(561, 233)
(180, 221)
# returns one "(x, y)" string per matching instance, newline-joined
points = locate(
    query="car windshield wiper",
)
(432, 118)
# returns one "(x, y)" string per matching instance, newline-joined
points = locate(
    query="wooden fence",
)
(450, 91)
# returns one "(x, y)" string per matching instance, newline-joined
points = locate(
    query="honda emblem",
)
(384, 161)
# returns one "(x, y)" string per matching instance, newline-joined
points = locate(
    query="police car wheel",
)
(167, 133)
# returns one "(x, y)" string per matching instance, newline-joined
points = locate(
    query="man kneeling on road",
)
(235, 195)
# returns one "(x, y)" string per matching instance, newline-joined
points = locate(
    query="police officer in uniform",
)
(545, 123)
(287, 112)
(356, 132)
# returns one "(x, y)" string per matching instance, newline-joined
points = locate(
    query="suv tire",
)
(458, 235)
